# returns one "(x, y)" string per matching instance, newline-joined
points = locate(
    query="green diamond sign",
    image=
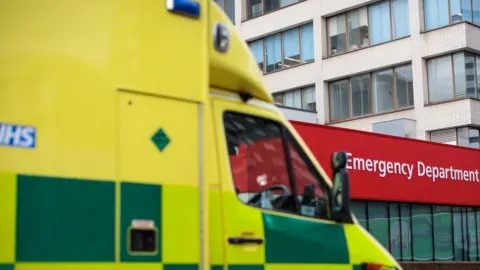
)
(160, 139)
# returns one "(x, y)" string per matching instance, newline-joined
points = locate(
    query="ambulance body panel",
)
(115, 154)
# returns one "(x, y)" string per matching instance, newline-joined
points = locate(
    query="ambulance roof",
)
(235, 70)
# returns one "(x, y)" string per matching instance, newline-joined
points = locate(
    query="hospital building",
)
(406, 70)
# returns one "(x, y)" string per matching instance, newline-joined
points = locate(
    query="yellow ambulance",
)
(138, 135)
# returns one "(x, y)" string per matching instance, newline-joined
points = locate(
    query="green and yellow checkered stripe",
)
(290, 242)
(49, 223)
(293, 242)
(68, 224)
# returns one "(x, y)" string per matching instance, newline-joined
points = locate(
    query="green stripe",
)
(143, 202)
(290, 240)
(6, 267)
(65, 220)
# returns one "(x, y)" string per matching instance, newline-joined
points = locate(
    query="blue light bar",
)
(185, 7)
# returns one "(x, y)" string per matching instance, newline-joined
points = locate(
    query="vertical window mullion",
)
(475, 68)
(462, 233)
(389, 226)
(391, 20)
(433, 232)
(394, 84)
(453, 233)
(401, 230)
(453, 75)
(476, 231)
(264, 56)
(347, 36)
(411, 232)
(371, 93)
(282, 56)
(467, 238)
(300, 44)
(349, 92)
(449, 13)
(329, 43)
(471, 11)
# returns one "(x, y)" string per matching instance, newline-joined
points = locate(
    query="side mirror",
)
(341, 189)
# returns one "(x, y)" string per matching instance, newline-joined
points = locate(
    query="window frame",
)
(301, 89)
(372, 103)
(347, 46)
(449, 17)
(282, 56)
(451, 56)
(246, 4)
(287, 140)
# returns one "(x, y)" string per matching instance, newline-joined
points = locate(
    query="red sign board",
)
(398, 169)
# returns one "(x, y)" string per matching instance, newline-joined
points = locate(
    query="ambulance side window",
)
(258, 162)
(311, 194)
(258, 152)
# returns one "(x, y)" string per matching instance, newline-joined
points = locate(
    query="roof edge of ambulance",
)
(236, 69)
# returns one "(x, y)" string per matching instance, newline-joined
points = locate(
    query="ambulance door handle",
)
(244, 240)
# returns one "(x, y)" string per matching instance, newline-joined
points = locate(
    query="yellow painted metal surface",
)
(235, 70)
(140, 117)
(8, 194)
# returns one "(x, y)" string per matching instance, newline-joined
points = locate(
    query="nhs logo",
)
(17, 135)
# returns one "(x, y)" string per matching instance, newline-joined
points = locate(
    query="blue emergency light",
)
(186, 7)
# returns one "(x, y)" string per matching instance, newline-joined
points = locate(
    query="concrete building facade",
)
(402, 67)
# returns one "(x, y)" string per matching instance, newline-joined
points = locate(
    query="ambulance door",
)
(275, 211)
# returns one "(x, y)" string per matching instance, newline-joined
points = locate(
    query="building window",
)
(256, 8)
(443, 228)
(303, 98)
(428, 232)
(395, 234)
(453, 76)
(378, 221)
(468, 137)
(439, 13)
(462, 136)
(284, 50)
(257, 50)
(375, 92)
(229, 7)
(369, 25)
(422, 232)
(360, 89)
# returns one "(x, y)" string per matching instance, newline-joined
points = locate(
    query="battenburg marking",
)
(17, 135)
